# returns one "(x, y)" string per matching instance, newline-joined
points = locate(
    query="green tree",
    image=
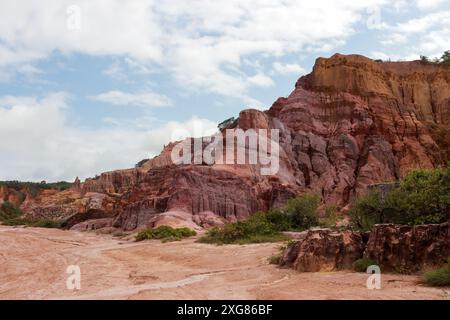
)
(424, 59)
(303, 211)
(445, 59)
(422, 197)
(366, 211)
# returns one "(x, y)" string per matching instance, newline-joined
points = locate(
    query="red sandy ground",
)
(33, 264)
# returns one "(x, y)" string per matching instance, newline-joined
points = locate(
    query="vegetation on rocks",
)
(278, 257)
(439, 277)
(362, 264)
(445, 59)
(35, 187)
(331, 217)
(422, 197)
(255, 229)
(9, 211)
(165, 233)
(141, 163)
(38, 223)
(10, 215)
(298, 214)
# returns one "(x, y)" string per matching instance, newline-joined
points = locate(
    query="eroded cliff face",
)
(354, 122)
(351, 123)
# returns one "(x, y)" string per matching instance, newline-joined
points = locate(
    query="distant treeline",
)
(35, 187)
(444, 60)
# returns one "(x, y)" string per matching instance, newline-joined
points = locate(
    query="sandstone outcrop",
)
(406, 248)
(350, 123)
(396, 248)
(10, 195)
(324, 250)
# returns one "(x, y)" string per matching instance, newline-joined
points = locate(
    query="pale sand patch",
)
(33, 264)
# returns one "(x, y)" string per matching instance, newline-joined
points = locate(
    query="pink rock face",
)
(351, 123)
(392, 247)
(406, 248)
(253, 119)
(324, 250)
(9, 195)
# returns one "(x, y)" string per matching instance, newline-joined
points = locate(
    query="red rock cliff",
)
(352, 122)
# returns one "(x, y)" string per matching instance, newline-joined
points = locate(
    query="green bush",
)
(165, 233)
(280, 220)
(10, 216)
(46, 223)
(38, 223)
(362, 264)
(331, 217)
(439, 277)
(255, 229)
(9, 211)
(422, 197)
(298, 214)
(445, 59)
(35, 187)
(366, 211)
(275, 259)
(303, 211)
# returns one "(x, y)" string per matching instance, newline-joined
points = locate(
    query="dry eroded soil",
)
(33, 264)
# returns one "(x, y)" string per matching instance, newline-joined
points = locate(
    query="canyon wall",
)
(350, 123)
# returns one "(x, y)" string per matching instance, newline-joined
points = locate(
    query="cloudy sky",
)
(94, 85)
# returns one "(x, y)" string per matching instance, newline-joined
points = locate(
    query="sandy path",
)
(33, 265)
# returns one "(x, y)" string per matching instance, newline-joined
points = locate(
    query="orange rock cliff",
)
(350, 123)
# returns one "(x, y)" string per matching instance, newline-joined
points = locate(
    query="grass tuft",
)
(439, 277)
(38, 223)
(362, 264)
(165, 233)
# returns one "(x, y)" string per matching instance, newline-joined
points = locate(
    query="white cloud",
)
(201, 43)
(29, 70)
(116, 72)
(287, 68)
(428, 4)
(39, 144)
(261, 80)
(143, 99)
(428, 35)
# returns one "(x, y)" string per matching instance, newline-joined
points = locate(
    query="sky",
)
(88, 86)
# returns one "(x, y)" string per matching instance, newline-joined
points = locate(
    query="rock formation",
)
(406, 248)
(324, 250)
(350, 123)
(392, 247)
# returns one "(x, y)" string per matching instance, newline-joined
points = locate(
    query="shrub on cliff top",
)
(445, 59)
(35, 187)
(422, 197)
(165, 233)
